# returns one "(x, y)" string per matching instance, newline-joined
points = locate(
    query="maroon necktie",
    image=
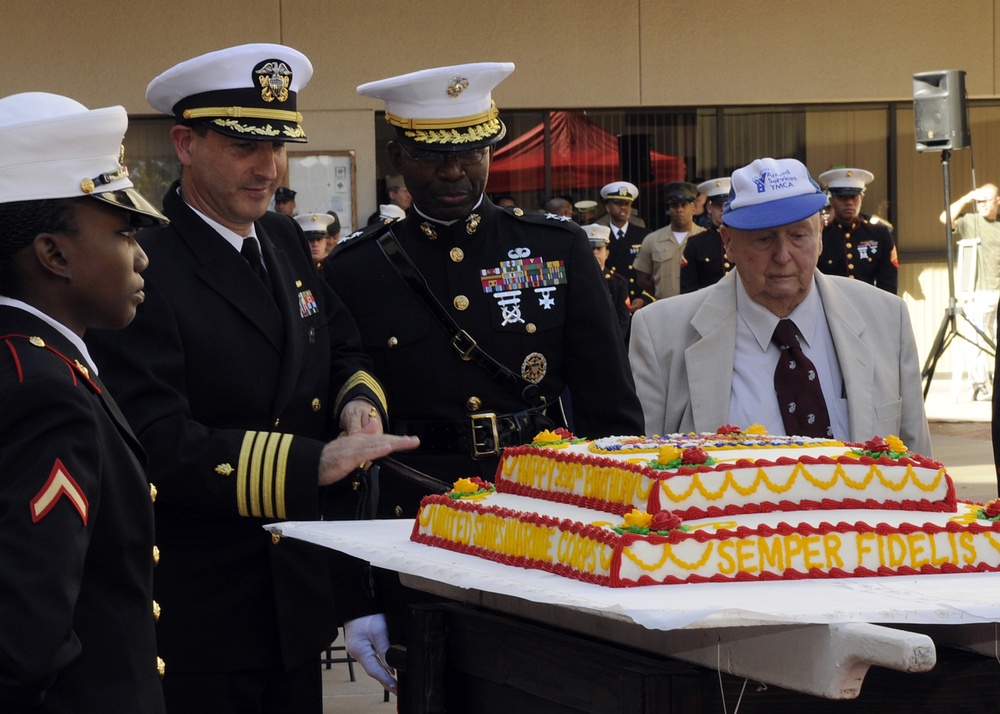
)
(800, 397)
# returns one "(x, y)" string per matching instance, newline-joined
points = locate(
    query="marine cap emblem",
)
(457, 86)
(274, 76)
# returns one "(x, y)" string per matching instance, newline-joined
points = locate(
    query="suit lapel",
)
(286, 296)
(857, 362)
(709, 361)
(224, 270)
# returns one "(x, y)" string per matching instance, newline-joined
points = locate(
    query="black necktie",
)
(800, 397)
(251, 252)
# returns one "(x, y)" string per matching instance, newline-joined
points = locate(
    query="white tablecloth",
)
(927, 599)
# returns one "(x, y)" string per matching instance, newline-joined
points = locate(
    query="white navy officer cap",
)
(389, 212)
(54, 147)
(314, 223)
(599, 235)
(445, 108)
(846, 182)
(620, 191)
(772, 192)
(715, 187)
(248, 91)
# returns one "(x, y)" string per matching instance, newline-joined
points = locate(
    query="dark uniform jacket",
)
(621, 253)
(704, 261)
(76, 536)
(233, 392)
(862, 250)
(528, 290)
(618, 289)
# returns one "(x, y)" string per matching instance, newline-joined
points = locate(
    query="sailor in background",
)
(76, 515)
(316, 226)
(856, 245)
(600, 238)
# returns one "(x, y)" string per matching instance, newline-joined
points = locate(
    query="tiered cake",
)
(734, 505)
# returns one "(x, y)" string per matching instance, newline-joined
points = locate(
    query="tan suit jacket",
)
(682, 352)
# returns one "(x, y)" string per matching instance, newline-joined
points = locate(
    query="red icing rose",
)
(693, 455)
(992, 509)
(728, 429)
(564, 433)
(664, 521)
(877, 445)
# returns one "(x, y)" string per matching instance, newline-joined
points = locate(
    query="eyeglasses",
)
(468, 157)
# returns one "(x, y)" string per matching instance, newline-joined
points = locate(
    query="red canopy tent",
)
(583, 156)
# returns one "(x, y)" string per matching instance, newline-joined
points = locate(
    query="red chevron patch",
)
(59, 484)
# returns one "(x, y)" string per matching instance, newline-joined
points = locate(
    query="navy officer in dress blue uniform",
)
(856, 245)
(77, 629)
(705, 260)
(524, 288)
(626, 235)
(237, 374)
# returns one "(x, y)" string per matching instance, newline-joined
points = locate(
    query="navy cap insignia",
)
(274, 78)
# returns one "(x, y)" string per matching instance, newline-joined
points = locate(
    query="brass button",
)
(474, 404)
(461, 302)
(152, 493)
(392, 342)
(850, 256)
(457, 255)
(311, 334)
(156, 555)
(161, 667)
(850, 266)
(518, 212)
(398, 510)
(316, 404)
(275, 537)
(156, 611)
(530, 328)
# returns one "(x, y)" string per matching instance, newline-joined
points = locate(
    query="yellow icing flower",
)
(546, 436)
(896, 444)
(668, 453)
(464, 485)
(756, 429)
(637, 518)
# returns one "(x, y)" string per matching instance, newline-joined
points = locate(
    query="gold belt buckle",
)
(483, 421)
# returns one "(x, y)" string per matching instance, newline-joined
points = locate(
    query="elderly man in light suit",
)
(705, 359)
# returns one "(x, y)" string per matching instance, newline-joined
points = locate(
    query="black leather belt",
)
(483, 435)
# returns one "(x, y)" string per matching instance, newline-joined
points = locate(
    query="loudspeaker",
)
(940, 115)
(633, 155)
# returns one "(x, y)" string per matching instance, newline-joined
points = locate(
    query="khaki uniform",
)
(660, 256)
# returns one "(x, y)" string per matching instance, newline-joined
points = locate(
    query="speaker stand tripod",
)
(948, 330)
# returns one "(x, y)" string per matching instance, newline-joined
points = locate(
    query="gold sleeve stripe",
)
(263, 467)
(279, 484)
(360, 378)
(257, 474)
(268, 489)
(242, 475)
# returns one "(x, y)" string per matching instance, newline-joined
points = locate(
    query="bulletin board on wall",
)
(324, 181)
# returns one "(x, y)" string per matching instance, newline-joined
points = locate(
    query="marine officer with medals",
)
(515, 310)
(856, 245)
(77, 552)
(705, 260)
(238, 373)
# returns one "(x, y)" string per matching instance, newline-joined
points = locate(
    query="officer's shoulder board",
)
(548, 220)
(32, 357)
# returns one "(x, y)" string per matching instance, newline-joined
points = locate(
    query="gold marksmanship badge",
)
(534, 367)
